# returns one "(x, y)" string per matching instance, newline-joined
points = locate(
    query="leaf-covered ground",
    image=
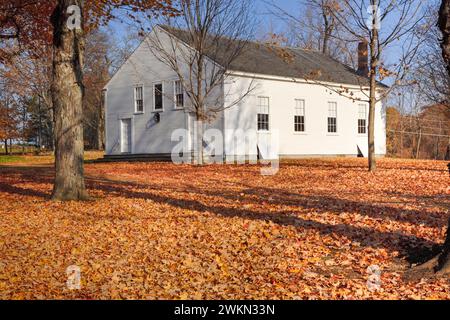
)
(161, 231)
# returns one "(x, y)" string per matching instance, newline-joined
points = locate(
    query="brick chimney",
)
(363, 59)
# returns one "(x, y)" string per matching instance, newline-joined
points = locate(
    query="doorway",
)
(125, 140)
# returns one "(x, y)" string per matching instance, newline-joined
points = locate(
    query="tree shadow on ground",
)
(8, 188)
(360, 167)
(412, 248)
(320, 203)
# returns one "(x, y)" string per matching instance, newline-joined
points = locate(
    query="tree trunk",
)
(200, 108)
(40, 127)
(327, 31)
(67, 96)
(6, 147)
(441, 263)
(101, 135)
(199, 159)
(444, 25)
(52, 139)
(373, 98)
(101, 125)
(444, 258)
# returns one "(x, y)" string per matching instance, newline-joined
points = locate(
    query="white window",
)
(332, 117)
(178, 94)
(263, 114)
(139, 99)
(158, 101)
(299, 117)
(362, 119)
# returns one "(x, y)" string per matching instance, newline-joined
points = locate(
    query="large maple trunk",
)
(441, 263)
(444, 25)
(444, 259)
(67, 96)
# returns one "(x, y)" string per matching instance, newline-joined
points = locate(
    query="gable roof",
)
(260, 58)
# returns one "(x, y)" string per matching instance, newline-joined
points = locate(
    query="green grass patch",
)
(11, 159)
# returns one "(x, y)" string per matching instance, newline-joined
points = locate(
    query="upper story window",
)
(362, 119)
(139, 99)
(332, 117)
(178, 94)
(263, 114)
(158, 97)
(299, 117)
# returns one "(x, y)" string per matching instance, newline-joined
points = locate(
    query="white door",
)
(125, 136)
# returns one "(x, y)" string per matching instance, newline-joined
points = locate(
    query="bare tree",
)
(375, 26)
(200, 46)
(378, 25)
(96, 74)
(31, 77)
(315, 28)
(9, 115)
(430, 70)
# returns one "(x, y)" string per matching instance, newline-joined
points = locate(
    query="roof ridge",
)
(255, 61)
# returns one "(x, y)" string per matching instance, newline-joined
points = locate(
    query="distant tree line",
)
(26, 109)
(422, 136)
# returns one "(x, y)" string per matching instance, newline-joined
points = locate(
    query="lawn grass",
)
(42, 159)
(11, 159)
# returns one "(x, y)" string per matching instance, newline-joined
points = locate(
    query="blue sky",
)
(265, 20)
(261, 12)
(288, 5)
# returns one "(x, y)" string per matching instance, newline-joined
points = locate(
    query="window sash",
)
(158, 96)
(263, 105)
(332, 109)
(263, 117)
(362, 126)
(299, 123)
(299, 116)
(362, 119)
(139, 99)
(263, 122)
(332, 125)
(362, 112)
(179, 100)
(332, 117)
(179, 94)
(299, 107)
